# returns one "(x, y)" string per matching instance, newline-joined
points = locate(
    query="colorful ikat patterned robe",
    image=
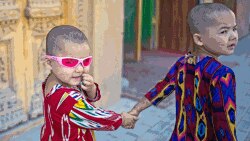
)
(205, 99)
(70, 116)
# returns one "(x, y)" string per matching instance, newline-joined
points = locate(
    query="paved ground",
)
(142, 76)
(156, 124)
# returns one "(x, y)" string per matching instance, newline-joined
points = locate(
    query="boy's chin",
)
(73, 84)
(228, 53)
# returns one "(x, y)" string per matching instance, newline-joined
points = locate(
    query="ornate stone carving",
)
(3, 68)
(84, 16)
(44, 8)
(36, 108)
(43, 15)
(9, 16)
(11, 110)
(5, 72)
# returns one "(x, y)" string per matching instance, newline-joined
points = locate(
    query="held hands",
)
(128, 120)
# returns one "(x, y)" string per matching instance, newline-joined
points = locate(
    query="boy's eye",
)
(235, 29)
(69, 61)
(224, 32)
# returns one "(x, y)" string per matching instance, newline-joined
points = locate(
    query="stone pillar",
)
(102, 23)
(107, 42)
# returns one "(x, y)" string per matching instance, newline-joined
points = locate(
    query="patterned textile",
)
(205, 99)
(70, 116)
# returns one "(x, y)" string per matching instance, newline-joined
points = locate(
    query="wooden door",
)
(174, 34)
(229, 3)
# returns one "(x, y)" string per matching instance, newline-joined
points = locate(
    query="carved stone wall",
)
(43, 15)
(11, 107)
(9, 16)
(84, 17)
(4, 66)
(11, 110)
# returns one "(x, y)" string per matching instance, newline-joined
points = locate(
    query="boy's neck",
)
(54, 80)
(200, 51)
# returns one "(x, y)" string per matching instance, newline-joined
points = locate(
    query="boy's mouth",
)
(77, 78)
(231, 46)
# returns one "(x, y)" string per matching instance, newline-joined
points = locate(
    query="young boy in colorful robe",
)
(69, 91)
(204, 88)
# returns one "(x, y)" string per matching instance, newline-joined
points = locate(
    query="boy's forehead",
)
(78, 50)
(227, 18)
(220, 19)
(223, 16)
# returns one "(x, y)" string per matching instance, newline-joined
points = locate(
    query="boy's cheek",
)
(86, 70)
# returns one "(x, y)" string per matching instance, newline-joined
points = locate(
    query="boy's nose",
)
(79, 68)
(233, 35)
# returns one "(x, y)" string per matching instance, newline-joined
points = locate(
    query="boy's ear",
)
(48, 61)
(197, 39)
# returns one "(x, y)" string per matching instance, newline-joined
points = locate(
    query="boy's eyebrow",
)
(227, 27)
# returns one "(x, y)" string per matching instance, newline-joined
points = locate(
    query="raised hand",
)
(128, 121)
(88, 85)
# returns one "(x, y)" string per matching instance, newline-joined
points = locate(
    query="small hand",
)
(128, 121)
(87, 83)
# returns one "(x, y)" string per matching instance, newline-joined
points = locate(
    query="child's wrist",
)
(134, 112)
(92, 93)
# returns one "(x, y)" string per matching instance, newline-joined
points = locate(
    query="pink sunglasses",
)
(71, 62)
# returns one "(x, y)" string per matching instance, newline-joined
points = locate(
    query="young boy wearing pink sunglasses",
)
(69, 91)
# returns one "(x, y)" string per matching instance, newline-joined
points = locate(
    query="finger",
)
(87, 83)
(127, 127)
(88, 80)
(84, 87)
(131, 127)
(87, 76)
(136, 118)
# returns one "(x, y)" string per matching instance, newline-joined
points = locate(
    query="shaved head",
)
(204, 15)
(59, 35)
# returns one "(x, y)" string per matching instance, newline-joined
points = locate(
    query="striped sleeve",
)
(85, 115)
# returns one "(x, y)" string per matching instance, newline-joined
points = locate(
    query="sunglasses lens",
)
(87, 62)
(69, 62)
